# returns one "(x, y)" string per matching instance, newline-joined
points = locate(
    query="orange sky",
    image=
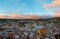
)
(20, 16)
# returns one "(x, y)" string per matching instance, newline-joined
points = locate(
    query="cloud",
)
(35, 16)
(53, 4)
(3, 16)
(20, 16)
(56, 13)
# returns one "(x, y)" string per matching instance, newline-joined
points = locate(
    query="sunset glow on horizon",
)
(29, 8)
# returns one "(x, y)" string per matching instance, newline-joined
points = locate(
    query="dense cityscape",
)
(29, 29)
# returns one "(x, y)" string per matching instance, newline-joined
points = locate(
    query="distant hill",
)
(46, 17)
(49, 19)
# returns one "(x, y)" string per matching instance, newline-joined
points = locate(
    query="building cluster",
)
(29, 29)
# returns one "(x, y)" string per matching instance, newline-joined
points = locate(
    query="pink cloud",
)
(34, 16)
(15, 15)
(56, 13)
(20, 16)
(54, 3)
(3, 16)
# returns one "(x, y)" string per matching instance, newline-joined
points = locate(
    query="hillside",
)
(56, 19)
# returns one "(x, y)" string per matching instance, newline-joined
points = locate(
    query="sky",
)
(14, 8)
